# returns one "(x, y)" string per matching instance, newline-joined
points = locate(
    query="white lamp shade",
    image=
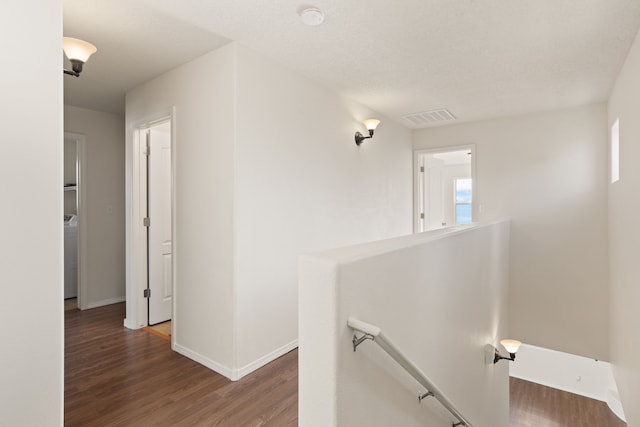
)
(77, 49)
(511, 346)
(371, 124)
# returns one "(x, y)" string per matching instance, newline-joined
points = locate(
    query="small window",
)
(463, 192)
(615, 151)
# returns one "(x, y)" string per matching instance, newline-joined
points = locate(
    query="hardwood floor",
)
(534, 405)
(163, 330)
(118, 377)
(70, 304)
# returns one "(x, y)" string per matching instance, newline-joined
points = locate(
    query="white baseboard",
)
(247, 369)
(575, 374)
(205, 361)
(234, 374)
(131, 325)
(613, 402)
(104, 302)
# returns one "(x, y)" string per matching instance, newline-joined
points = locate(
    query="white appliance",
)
(70, 256)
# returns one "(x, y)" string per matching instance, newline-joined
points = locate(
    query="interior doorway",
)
(150, 209)
(158, 222)
(74, 221)
(444, 190)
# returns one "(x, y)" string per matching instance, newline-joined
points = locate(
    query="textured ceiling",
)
(478, 58)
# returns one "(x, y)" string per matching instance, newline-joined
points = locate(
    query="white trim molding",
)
(259, 363)
(231, 373)
(614, 404)
(204, 361)
(104, 302)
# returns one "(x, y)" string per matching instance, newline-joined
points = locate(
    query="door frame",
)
(417, 180)
(136, 233)
(81, 211)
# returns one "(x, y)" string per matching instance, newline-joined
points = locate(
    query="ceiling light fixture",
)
(78, 51)
(312, 16)
(371, 125)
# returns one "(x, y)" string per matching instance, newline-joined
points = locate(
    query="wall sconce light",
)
(371, 125)
(78, 51)
(511, 346)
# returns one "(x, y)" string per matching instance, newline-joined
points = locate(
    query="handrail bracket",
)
(357, 341)
(423, 396)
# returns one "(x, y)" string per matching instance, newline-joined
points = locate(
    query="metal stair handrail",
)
(374, 333)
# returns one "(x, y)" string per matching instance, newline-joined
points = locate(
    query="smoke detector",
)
(312, 16)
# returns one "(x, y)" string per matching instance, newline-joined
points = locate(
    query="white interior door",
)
(160, 242)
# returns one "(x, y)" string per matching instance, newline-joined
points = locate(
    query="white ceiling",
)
(478, 58)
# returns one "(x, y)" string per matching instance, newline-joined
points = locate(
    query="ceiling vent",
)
(429, 117)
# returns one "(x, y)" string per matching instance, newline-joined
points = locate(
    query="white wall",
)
(547, 173)
(202, 92)
(31, 168)
(440, 296)
(266, 167)
(302, 185)
(104, 191)
(624, 238)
